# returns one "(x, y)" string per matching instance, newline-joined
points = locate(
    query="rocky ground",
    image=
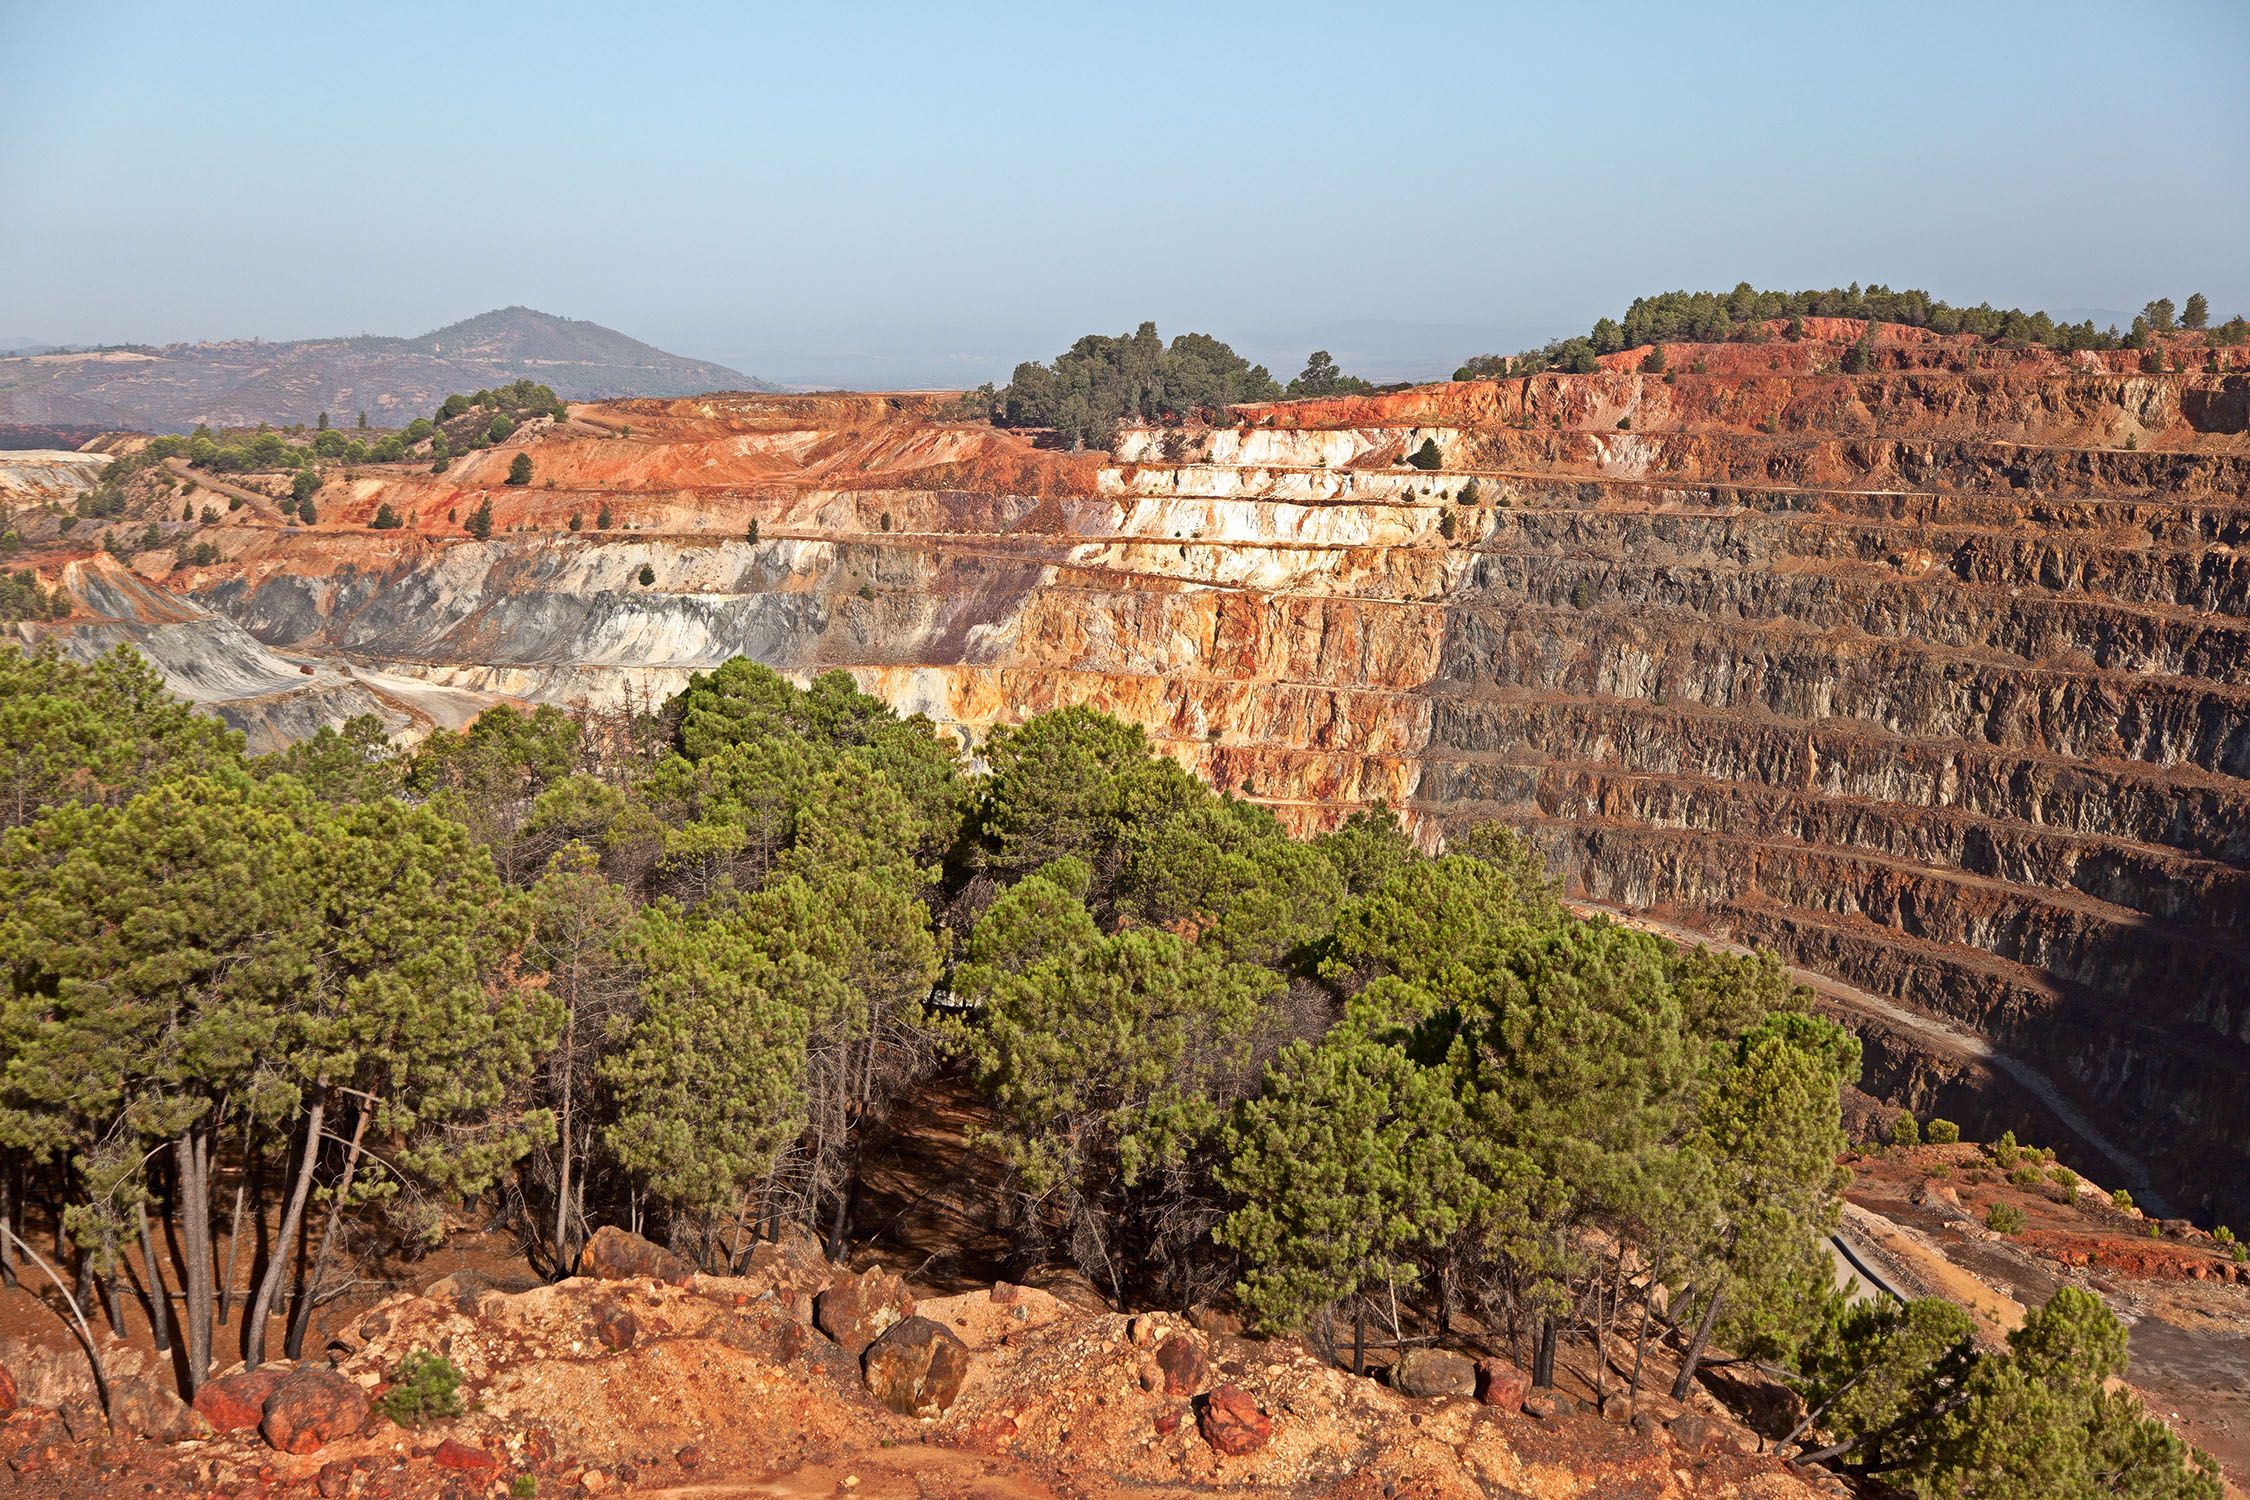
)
(800, 1378)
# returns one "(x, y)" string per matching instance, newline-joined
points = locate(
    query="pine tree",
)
(519, 469)
(1348, 1169)
(480, 521)
(711, 1075)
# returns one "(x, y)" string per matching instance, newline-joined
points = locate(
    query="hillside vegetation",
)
(1748, 314)
(676, 969)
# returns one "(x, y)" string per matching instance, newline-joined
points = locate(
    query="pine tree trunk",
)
(1543, 1354)
(245, 1188)
(277, 1263)
(294, 1348)
(112, 1298)
(1694, 1355)
(568, 1066)
(159, 1292)
(192, 1204)
(7, 1219)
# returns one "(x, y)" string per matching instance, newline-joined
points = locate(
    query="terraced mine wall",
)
(1936, 679)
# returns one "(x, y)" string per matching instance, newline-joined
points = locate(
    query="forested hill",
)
(241, 383)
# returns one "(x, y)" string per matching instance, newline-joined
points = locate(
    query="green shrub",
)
(2025, 1176)
(524, 1486)
(519, 469)
(1427, 456)
(425, 1387)
(648, 575)
(386, 519)
(2121, 1200)
(1942, 1133)
(1468, 493)
(2004, 1218)
(1580, 595)
(2065, 1179)
(1905, 1130)
(2223, 1235)
(2005, 1150)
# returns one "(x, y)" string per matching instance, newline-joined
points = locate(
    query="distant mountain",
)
(245, 382)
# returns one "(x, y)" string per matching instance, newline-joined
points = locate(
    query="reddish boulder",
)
(615, 1327)
(1231, 1422)
(1501, 1384)
(312, 1408)
(857, 1309)
(1183, 1365)
(463, 1459)
(233, 1402)
(916, 1367)
(615, 1254)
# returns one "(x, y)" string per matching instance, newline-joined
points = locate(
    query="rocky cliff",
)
(1935, 678)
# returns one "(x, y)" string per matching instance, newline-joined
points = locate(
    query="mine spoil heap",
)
(1934, 678)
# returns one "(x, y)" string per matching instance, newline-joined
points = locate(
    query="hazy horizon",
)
(903, 196)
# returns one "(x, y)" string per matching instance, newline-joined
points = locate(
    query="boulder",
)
(312, 1408)
(82, 1418)
(1943, 1199)
(463, 1459)
(916, 1366)
(856, 1310)
(1501, 1384)
(1695, 1433)
(1231, 1422)
(1548, 1406)
(233, 1402)
(7, 1391)
(615, 1254)
(1182, 1363)
(615, 1327)
(1212, 1321)
(791, 1263)
(149, 1409)
(1434, 1372)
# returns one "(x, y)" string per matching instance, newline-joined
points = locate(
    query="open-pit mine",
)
(1935, 679)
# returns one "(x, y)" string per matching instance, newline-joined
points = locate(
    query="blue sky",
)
(917, 190)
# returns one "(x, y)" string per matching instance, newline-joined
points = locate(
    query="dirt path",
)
(258, 502)
(1942, 1035)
